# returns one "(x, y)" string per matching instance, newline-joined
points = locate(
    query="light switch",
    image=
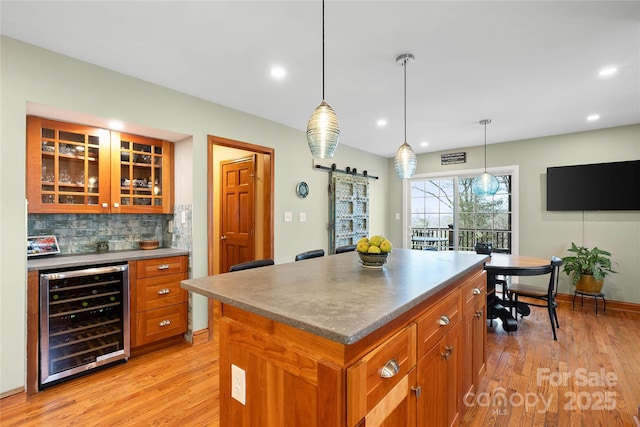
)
(397, 215)
(288, 216)
(302, 217)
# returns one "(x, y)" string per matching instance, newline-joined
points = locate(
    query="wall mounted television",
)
(594, 187)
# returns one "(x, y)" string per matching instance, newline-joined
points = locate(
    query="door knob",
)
(223, 237)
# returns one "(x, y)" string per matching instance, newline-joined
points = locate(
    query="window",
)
(446, 215)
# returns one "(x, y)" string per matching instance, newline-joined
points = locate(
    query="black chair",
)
(345, 248)
(310, 254)
(487, 249)
(547, 295)
(251, 264)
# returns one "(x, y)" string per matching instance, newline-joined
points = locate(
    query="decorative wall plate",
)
(302, 189)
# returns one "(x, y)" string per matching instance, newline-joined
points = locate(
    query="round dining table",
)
(509, 265)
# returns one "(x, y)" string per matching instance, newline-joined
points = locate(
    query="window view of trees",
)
(446, 207)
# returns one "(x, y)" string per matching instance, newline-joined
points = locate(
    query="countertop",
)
(334, 296)
(79, 260)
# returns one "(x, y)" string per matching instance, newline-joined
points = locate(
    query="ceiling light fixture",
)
(607, 72)
(381, 123)
(405, 162)
(278, 72)
(323, 129)
(593, 117)
(485, 184)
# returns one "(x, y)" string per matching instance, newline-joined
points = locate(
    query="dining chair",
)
(345, 248)
(310, 254)
(546, 295)
(251, 264)
(501, 281)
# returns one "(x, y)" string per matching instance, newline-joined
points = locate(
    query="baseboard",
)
(12, 397)
(200, 337)
(611, 304)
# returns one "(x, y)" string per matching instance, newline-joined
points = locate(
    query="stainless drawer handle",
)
(165, 323)
(444, 320)
(417, 390)
(390, 370)
(163, 267)
(163, 291)
(476, 291)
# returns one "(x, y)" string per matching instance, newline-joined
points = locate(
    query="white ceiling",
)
(532, 67)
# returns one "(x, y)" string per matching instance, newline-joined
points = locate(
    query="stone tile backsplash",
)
(80, 233)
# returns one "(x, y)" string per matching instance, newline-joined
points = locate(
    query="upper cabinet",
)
(82, 169)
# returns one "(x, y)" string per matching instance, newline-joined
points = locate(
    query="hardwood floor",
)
(589, 377)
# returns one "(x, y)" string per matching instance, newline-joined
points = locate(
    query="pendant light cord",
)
(405, 100)
(323, 50)
(485, 146)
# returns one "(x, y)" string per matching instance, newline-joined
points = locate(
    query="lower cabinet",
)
(408, 373)
(159, 304)
(474, 335)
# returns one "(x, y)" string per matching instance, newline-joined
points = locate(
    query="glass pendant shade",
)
(405, 162)
(323, 132)
(485, 185)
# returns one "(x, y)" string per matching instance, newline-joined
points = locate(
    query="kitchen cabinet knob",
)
(449, 349)
(390, 369)
(105, 205)
(476, 291)
(163, 267)
(478, 314)
(165, 323)
(116, 205)
(163, 291)
(417, 390)
(444, 320)
(223, 237)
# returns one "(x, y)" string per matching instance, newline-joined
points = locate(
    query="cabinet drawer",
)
(475, 288)
(438, 321)
(160, 291)
(161, 323)
(161, 266)
(373, 376)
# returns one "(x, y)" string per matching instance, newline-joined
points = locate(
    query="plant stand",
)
(595, 296)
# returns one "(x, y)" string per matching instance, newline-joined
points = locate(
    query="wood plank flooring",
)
(589, 377)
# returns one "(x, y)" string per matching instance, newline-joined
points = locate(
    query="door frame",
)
(268, 202)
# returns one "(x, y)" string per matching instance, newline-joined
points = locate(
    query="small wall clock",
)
(302, 189)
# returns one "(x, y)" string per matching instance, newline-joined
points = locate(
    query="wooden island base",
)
(413, 370)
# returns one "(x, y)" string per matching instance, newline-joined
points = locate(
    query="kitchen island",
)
(327, 342)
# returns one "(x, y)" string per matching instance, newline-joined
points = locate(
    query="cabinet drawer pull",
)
(478, 314)
(163, 291)
(449, 349)
(445, 355)
(165, 323)
(444, 320)
(390, 370)
(163, 266)
(476, 291)
(417, 390)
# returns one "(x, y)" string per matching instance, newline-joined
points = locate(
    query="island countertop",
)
(334, 296)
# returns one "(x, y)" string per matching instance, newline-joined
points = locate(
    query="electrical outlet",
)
(238, 384)
(170, 227)
(184, 217)
(288, 216)
(302, 217)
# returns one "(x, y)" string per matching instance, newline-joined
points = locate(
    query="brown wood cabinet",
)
(158, 303)
(408, 372)
(75, 168)
(474, 295)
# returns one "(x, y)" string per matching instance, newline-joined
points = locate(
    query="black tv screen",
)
(594, 187)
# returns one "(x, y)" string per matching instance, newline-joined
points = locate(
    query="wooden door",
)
(238, 216)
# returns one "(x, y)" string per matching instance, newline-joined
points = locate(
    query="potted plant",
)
(588, 266)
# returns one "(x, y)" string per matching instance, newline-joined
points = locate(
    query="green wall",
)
(32, 74)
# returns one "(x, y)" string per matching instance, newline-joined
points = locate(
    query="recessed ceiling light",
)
(381, 123)
(424, 144)
(607, 72)
(278, 72)
(116, 125)
(593, 117)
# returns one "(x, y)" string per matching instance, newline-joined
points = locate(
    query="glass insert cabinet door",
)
(142, 167)
(67, 167)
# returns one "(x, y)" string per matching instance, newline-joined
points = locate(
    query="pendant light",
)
(485, 184)
(405, 161)
(323, 129)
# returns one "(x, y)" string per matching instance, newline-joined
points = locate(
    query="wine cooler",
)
(84, 320)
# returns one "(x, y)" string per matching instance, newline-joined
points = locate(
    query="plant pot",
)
(588, 283)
